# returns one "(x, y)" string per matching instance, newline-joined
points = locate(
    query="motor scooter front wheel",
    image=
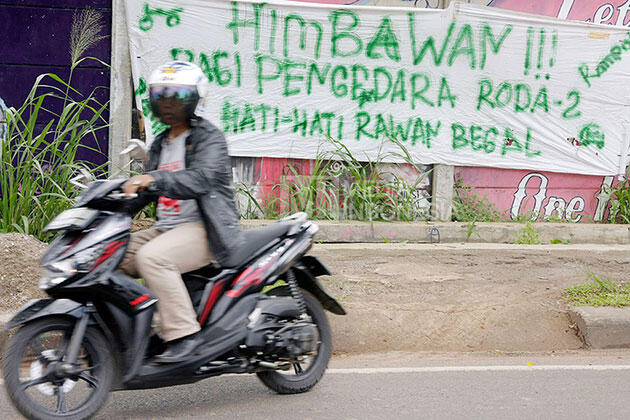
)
(42, 386)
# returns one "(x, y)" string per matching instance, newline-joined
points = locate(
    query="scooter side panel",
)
(115, 287)
(230, 331)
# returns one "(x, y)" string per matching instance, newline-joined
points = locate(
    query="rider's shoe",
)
(178, 350)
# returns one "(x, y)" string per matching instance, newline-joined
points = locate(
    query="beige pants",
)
(159, 258)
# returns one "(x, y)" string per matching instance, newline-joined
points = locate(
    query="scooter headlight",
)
(59, 271)
(56, 273)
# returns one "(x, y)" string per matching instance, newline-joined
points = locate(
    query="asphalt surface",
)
(571, 385)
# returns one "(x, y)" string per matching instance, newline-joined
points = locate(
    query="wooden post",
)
(120, 91)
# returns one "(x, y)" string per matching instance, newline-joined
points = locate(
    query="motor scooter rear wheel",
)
(306, 371)
(37, 383)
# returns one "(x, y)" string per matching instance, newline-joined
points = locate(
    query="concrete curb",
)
(449, 232)
(598, 327)
(602, 327)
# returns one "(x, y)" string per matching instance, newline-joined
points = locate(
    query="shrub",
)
(469, 207)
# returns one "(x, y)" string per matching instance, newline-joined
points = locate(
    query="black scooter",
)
(264, 314)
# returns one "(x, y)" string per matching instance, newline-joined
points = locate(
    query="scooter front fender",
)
(39, 308)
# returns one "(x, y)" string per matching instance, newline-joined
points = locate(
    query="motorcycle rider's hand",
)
(137, 183)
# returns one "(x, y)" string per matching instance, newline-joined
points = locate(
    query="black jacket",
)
(207, 178)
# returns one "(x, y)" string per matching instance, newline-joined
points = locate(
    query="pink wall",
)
(540, 195)
(571, 197)
(615, 12)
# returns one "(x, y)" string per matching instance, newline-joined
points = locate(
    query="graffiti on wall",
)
(280, 90)
(548, 195)
(256, 176)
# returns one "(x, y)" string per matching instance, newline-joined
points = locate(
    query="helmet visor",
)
(181, 92)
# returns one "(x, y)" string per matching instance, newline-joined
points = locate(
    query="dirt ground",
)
(19, 270)
(419, 297)
(483, 297)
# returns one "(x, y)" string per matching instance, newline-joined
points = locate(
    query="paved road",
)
(405, 386)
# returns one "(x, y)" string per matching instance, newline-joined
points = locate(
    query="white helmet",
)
(180, 80)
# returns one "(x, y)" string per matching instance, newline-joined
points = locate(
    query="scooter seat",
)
(256, 239)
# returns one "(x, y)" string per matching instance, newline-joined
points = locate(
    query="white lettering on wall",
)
(521, 193)
(558, 205)
(606, 12)
(576, 205)
(555, 204)
(602, 198)
(565, 9)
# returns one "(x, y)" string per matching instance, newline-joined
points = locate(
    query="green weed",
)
(471, 230)
(278, 283)
(527, 235)
(246, 204)
(599, 291)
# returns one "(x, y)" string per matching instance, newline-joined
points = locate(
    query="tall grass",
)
(38, 156)
(373, 191)
(341, 187)
(314, 193)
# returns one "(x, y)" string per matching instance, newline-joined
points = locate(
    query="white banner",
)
(469, 85)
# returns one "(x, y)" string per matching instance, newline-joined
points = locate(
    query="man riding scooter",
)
(189, 173)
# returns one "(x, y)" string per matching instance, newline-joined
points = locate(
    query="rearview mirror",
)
(82, 179)
(137, 150)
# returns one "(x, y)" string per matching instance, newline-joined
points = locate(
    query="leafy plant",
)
(278, 283)
(469, 207)
(314, 194)
(37, 164)
(372, 192)
(527, 235)
(247, 205)
(620, 199)
(148, 212)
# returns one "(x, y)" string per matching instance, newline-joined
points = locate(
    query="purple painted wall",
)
(35, 38)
